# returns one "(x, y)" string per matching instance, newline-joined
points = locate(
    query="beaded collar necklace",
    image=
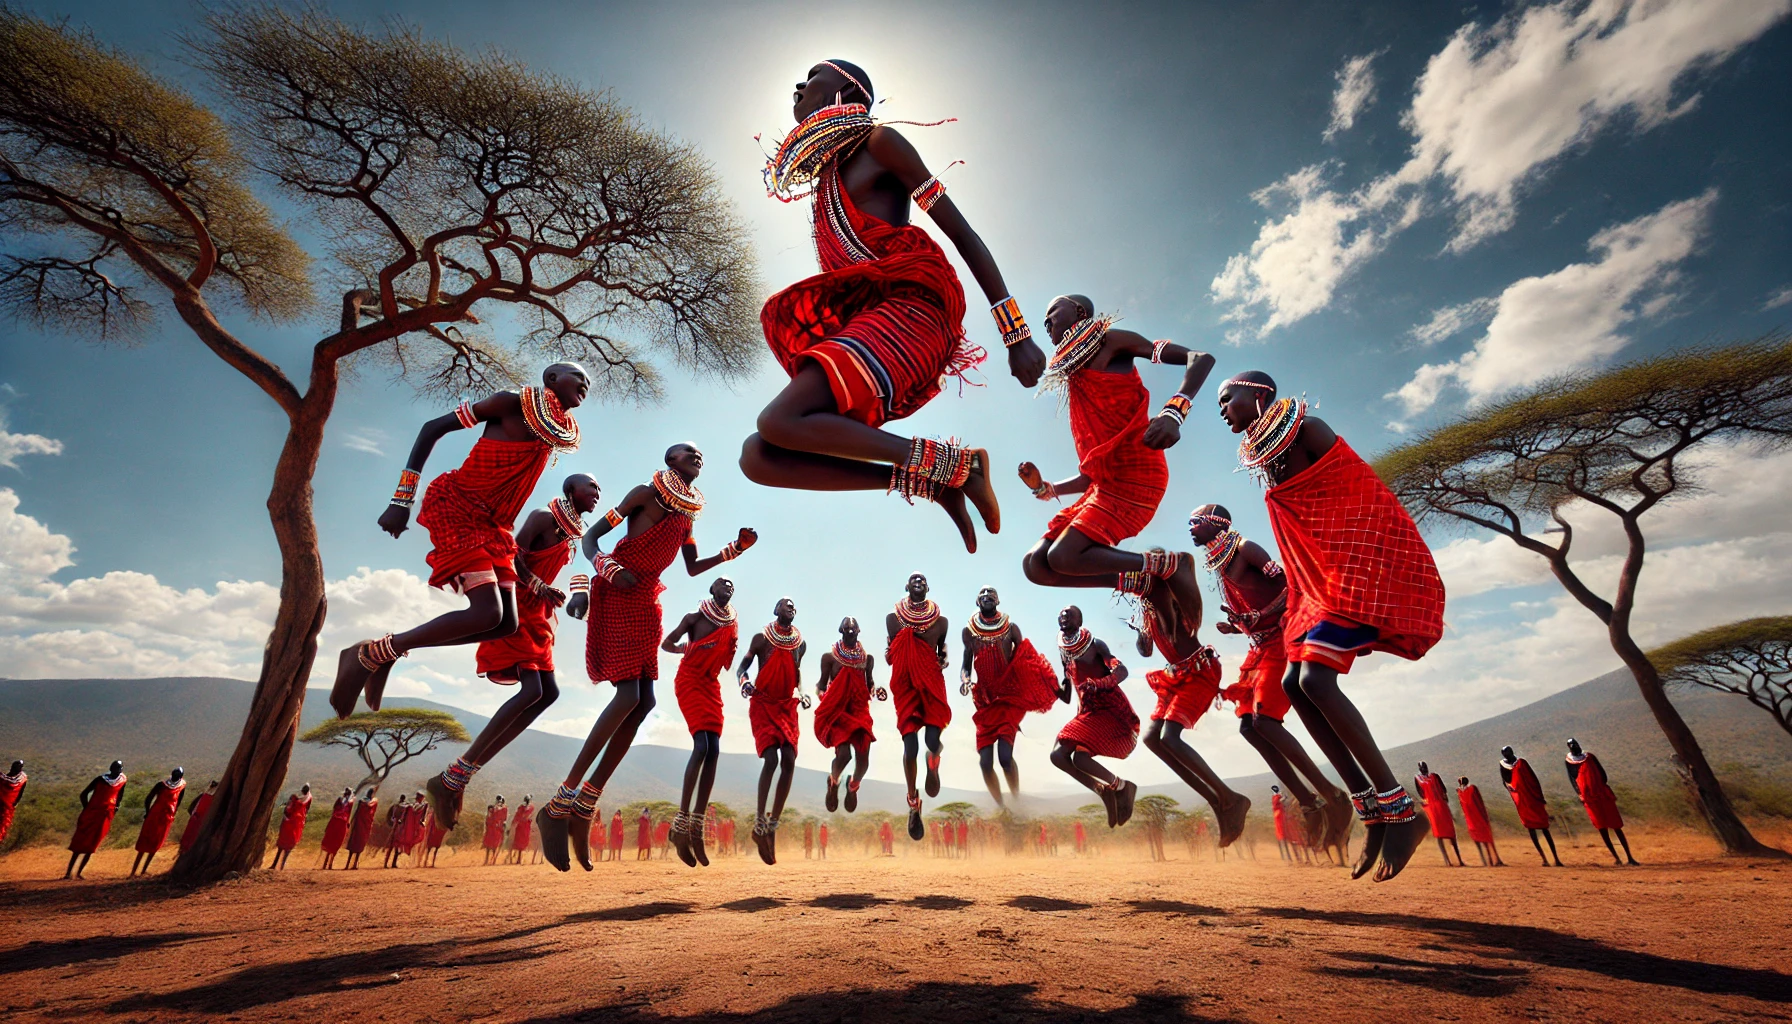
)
(1080, 345)
(917, 619)
(568, 518)
(850, 657)
(1268, 439)
(678, 494)
(986, 631)
(784, 640)
(550, 423)
(719, 614)
(791, 172)
(1074, 647)
(1221, 549)
(1577, 760)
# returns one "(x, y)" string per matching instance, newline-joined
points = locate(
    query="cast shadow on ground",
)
(848, 901)
(754, 904)
(1470, 980)
(938, 902)
(1174, 908)
(37, 956)
(930, 1001)
(632, 912)
(1547, 948)
(1042, 904)
(83, 895)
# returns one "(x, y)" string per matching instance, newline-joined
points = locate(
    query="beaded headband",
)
(1246, 383)
(1209, 518)
(849, 77)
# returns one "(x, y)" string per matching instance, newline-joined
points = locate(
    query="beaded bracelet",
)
(467, 417)
(606, 568)
(731, 551)
(406, 493)
(579, 584)
(1157, 350)
(613, 518)
(1177, 408)
(928, 193)
(1046, 490)
(1010, 322)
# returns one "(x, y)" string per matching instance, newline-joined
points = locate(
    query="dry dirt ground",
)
(910, 939)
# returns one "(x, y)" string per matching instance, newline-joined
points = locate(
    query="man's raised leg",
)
(536, 692)
(610, 736)
(986, 761)
(1164, 738)
(362, 669)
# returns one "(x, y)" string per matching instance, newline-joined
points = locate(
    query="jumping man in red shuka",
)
(1105, 724)
(917, 659)
(771, 710)
(1347, 597)
(470, 513)
(623, 632)
(843, 715)
(869, 339)
(1011, 679)
(544, 546)
(1121, 471)
(710, 635)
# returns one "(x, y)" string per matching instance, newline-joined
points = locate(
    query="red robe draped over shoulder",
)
(1351, 551)
(96, 818)
(618, 832)
(360, 829)
(1437, 805)
(1596, 795)
(1474, 814)
(1278, 811)
(159, 820)
(1008, 689)
(884, 318)
(843, 715)
(336, 830)
(917, 683)
(1527, 796)
(622, 627)
(292, 821)
(1108, 416)
(522, 829)
(697, 684)
(195, 820)
(1105, 724)
(772, 709)
(471, 512)
(494, 828)
(11, 786)
(532, 645)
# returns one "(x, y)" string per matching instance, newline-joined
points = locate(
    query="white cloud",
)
(28, 550)
(1492, 110)
(367, 439)
(1572, 319)
(14, 445)
(1356, 90)
(1779, 298)
(1449, 321)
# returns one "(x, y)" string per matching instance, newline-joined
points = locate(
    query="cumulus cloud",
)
(1573, 318)
(1356, 90)
(1780, 297)
(14, 445)
(1492, 110)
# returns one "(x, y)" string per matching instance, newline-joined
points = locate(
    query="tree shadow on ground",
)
(938, 902)
(76, 897)
(1547, 948)
(1041, 904)
(633, 912)
(37, 956)
(960, 1002)
(848, 901)
(1440, 976)
(754, 904)
(1174, 908)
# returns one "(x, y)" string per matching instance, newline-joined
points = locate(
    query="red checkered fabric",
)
(843, 714)
(622, 635)
(696, 685)
(917, 684)
(471, 512)
(772, 709)
(1108, 416)
(1105, 724)
(532, 645)
(1185, 690)
(1007, 690)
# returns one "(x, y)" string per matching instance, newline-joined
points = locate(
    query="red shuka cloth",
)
(195, 820)
(1350, 551)
(292, 821)
(661, 833)
(436, 833)
(697, 683)
(532, 645)
(1437, 805)
(1108, 416)
(1527, 796)
(644, 832)
(96, 817)
(1474, 814)
(10, 788)
(336, 830)
(1105, 724)
(360, 829)
(618, 831)
(159, 820)
(884, 318)
(1278, 809)
(1185, 689)
(416, 827)
(596, 836)
(522, 828)
(494, 828)
(622, 627)
(843, 715)
(917, 684)
(1007, 690)
(772, 709)
(470, 512)
(1597, 796)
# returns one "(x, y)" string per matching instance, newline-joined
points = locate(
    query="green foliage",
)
(1751, 658)
(387, 738)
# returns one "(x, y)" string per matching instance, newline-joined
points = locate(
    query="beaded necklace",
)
(678, 494)
(988, 632)
(782, 640)
(568, 518)
(849, 657)
(719, 614)
(1268, 439)
(548, 421)
(1080, 345)
(1221, 549)
(1076, 646)
(917, 620)
(792, 172)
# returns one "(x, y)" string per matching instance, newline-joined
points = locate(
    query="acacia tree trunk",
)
(234, 835)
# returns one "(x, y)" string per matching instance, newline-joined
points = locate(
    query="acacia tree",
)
(447, 186)
(1751, 658)
(1613, 441)
(1156, 812)
(387, 738)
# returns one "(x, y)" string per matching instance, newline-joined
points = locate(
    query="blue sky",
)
(1401, 210)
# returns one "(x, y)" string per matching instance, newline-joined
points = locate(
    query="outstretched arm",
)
(398, 513)
(1045, 490)
(671, 645)
(896, 155)
(733, 549)
(1166, 428)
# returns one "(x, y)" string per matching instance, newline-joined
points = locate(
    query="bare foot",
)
(917, 830)
(351, 678)
(1373, 836)
(1123, 801)
(1231, 819)
(376, 686)
(1107, 800)
(553, 840)
(697, 849)
(852, 798)
(953, 502)
(579, 834)
(982, 493)
(933, 774)
(1398, 845)
(832, 802)
(444, 803)
(681, 844)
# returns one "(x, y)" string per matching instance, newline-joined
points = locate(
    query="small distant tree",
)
(956, 811)
(1155, 811)
(1751, 658)
(1614, 441)
(387, 738)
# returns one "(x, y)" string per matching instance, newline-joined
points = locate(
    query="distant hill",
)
(69, 727)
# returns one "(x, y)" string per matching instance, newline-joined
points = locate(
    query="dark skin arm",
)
(671, 645)
(756, 649)
(150, 799)
(502, 415)
(540, 531)
(829, 665)
(87, 794)
(1121, 347)
(1250, 563)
